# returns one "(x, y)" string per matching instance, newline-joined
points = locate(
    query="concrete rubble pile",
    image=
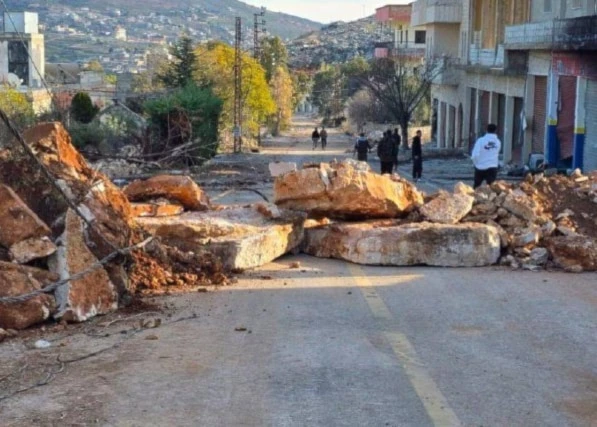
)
(54, 229)
(542, 222)
(57, 224)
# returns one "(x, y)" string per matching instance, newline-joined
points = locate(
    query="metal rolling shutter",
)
(590, 153)
(540, 115)
(566, 116)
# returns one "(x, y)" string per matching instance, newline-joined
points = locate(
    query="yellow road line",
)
(433, 400)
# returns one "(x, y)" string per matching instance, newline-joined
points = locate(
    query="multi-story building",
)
(22, 57)
(407, 40)
(529, 66)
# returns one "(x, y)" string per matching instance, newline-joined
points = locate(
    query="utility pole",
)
(258, 29)
(238, 69)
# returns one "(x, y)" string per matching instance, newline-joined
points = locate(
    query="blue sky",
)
(324, 10)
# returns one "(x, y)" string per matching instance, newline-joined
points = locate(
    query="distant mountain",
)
(215, 15)
(337, 42)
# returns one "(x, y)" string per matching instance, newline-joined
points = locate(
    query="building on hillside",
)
(528, 66)
(66, 79)
(407, 40)
(22, 57)
(120, 33)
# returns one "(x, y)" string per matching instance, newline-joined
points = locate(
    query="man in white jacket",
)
(486, 155)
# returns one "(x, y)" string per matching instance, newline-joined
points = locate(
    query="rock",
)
(464, 245)
(181, 189)
(88, 296)
(447, 208)
(42, 344)
(566, 231)
(504, 237)
(242, 237)
(539, 256)
(280, 168)
(101, 201)
(16, 280)
(17, 221)
(548, 228)
(526, 237)
(31, 249)
(521, 205)
(462, 188)
(574, 253)
(268, 210)
(341, 190)
(3, 334)
(155, 209)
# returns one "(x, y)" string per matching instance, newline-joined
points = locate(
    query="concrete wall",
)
(36, 48)
(562, 9)
(443, 39)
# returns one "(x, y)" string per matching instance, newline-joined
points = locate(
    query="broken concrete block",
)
(154, 209)
(16, 280)
(90, 295)
(17, 221)
(526, 237)
(341, 190)
(30, 249)
(462, 188)
(521, 205)
(280, 168)
(574, 253)
(448, 208)
(181, 189)
(103, 203)
(372, 243)
(242, 237)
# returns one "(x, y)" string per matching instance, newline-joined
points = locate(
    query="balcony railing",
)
(447, 71)
(566, 34)
(427, 12)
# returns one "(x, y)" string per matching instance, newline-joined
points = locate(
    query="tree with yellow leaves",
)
(215, 68)
(282, 91)
(16, 106)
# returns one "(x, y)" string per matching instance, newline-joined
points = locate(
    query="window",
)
(547, 6)
(576, 4)
(420, 37)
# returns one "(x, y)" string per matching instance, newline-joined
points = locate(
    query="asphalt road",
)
(333, 344)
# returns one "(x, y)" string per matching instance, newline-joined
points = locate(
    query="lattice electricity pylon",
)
(258, 30)
(238, 69)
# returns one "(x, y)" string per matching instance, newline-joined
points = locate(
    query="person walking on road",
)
(417, 155)
(324, 138)
(486, 154)
(386, 153)
(396, 140)
(362, 148)
(315, 138)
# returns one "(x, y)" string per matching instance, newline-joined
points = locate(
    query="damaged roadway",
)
(332, 343)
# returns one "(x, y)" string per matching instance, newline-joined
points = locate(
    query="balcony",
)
(448, 72)
(561, 34)
(427, 12)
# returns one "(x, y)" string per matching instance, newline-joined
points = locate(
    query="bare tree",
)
(400, 84)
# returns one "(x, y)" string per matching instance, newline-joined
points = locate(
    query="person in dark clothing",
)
(315, 138)
(396, 140)
(362, 148)
(417, 155)
(324, 138)
(385, 152)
